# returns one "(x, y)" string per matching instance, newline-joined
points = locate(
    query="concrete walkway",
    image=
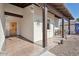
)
(69, 48)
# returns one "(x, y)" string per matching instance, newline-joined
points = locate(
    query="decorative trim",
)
(13, 14)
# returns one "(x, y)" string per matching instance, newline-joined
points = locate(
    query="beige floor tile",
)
(19, 47)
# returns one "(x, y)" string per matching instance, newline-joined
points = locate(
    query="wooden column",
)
(44, 25)
(61, 42)
(62, 28)
(69, 27)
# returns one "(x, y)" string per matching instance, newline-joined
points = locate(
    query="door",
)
(13, 28)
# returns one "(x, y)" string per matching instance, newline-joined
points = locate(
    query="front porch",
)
(16, 46)
(68, 48)
(38, 24)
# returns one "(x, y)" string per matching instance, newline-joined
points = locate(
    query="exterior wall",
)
(27, 23)
(2, 16)
(2, 27)
(12, 19)
(13, 9)
(37, 21)
(50, 32)
(72, 27)
(56, 26)
(16, 10)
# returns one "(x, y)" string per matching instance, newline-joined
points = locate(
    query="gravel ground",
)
(70, 47)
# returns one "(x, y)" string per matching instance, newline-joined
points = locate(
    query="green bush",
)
(78, 19)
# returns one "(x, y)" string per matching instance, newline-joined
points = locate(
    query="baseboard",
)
(23, 38)
(11, 36)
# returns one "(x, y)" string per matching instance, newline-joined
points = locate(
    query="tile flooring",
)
(18, 47)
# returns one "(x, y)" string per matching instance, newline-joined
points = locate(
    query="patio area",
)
(70, 47)
(19, 47)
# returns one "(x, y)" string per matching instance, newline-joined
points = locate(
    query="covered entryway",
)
(19, 30)
(36, 22)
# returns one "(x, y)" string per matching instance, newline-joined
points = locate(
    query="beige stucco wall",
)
(37, 23)
(25, 26)
(27, 23)
(2, 26)
(13, 9)
(50, 32)
(38, 32)
(72, 27)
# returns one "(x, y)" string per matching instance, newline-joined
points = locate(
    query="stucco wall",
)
(50, 32)
(13, 9)
(2, 26)
(72, 29)
(27, 23)
(38, 31)
(37, 23)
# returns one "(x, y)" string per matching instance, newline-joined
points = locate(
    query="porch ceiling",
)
(62, 9)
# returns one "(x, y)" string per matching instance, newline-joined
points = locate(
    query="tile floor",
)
(18, 47)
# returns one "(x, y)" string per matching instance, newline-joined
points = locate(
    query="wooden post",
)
(61, 42)
(44, 25)
(62, 28)
(69, 27)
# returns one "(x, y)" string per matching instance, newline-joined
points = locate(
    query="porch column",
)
(69, 27)
(62, 28)
(44, 25)
(61, 42)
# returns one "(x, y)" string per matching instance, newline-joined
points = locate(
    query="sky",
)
(74, 9)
